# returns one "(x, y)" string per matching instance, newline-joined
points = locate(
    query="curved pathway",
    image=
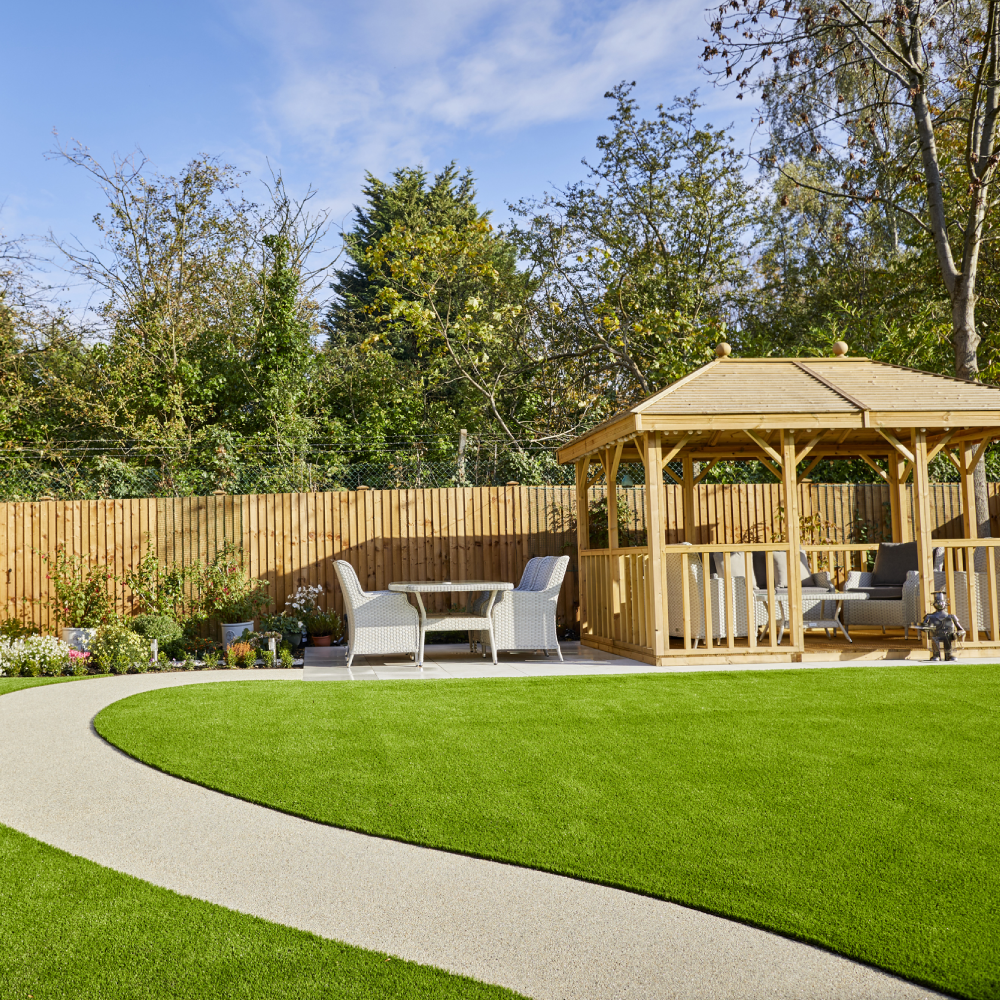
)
(543, 935)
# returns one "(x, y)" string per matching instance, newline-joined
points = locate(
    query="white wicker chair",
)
(378, 621)
(525, 617)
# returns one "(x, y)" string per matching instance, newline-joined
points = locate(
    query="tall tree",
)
(638, 262)
(900, 99)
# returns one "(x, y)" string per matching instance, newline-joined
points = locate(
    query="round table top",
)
(447, 586)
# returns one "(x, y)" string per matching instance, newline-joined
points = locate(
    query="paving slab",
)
(543, 935)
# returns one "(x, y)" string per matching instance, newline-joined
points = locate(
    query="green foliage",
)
(320, 622)
(80, 595)
(167, 591)
(167, 633)
(227, 592)
(17, 628)
(285, 658)
(119, 650)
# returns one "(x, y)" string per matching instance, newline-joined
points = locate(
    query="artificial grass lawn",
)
(73, 929)
(70, 928)
(8, 684)
(855, 808)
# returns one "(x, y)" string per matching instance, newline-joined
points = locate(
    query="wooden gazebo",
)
(788, 414)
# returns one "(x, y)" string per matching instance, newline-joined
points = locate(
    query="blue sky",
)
(323, 91)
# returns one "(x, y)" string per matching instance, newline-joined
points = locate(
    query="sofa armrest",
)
(822, 579)
(856, 580)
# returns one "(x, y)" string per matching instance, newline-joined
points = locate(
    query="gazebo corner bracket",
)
(764, 447)
(897, 444)
(870, 462)
(704, 472)
(677, 448)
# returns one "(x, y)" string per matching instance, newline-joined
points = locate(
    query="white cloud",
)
(378, 86)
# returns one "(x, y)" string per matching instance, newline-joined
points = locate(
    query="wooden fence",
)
(442, 534)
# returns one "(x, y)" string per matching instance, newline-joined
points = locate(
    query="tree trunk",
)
(966, 343)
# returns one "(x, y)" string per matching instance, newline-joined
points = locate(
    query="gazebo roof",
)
(715, 405)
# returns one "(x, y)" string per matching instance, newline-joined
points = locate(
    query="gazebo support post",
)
(789, 481)
(897, 501)
(970, 521)
(656, 583)
(610, 458)
(922, 517)
(687, 489)
(582, 536)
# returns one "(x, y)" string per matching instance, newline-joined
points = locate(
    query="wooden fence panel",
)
(457, 533)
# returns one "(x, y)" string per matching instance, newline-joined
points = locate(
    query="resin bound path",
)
(543, 935)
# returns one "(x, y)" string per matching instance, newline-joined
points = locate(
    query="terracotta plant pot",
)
(320, 640)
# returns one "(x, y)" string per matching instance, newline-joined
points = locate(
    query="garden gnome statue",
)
(943, 628)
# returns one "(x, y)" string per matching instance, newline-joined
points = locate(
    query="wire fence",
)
(115, 479)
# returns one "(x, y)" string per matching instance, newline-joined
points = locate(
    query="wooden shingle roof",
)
(857, 395)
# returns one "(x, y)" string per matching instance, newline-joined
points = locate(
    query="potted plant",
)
(230, 596)
(324, 627)
(80, 601)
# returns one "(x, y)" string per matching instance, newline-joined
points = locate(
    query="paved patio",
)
(454, 661)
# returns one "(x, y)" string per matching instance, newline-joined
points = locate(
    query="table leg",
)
(489, 618)
(423, 631)
(836, 617)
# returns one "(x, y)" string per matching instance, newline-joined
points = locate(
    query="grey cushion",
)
(893, 561)
(780, 563)
(880, 593)
(737, 564)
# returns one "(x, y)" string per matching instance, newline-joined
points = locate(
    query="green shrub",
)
(285, 657)
(168, 634)
(119, 650)
(268, 658)
(211, 659)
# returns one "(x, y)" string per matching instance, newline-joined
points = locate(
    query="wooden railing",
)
(972, 596)
(615, 590)
(739, 615)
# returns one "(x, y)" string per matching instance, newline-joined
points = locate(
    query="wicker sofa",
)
(892, 587)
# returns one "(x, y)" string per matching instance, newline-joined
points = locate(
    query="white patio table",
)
(453, 621)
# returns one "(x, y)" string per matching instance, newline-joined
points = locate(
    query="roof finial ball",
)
(840, 348)
(723, 350)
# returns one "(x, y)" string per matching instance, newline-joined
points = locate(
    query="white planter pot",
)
(78, 638)
(231, 632)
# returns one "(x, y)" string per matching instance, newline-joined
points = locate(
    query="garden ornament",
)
(943, 627)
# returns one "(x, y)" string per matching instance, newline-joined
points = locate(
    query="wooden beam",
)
(932, 452)
(967, 465)
(655, 519)
(673, 475)
(882, 473)
(764, 446)
(790, 490)
(773, 469)
(812, 465)
(922, 512)
(704, 472)
(897, 444)
(582, 538)
(800, 456)
(952, 457)
(677, 448)
(897, 501)
(687, 490)
(980, 451)
(840, 392)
